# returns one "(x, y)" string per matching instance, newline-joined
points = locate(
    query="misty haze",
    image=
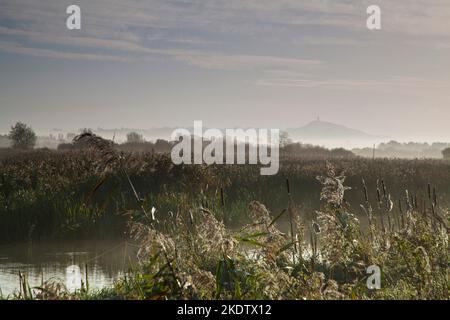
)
(93, 205)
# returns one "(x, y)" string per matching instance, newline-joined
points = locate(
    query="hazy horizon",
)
(281, 64)
(120, 134)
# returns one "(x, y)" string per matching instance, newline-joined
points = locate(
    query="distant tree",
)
(446, 153)
(134, 137)
(86, 130)
(284, 139)
(22, 136)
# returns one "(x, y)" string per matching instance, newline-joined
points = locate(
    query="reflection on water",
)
(66, 262)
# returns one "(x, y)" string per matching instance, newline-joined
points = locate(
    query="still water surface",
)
(65, 262)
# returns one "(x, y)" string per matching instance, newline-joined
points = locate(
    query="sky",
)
(230, 63)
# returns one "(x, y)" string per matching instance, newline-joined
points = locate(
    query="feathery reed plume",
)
(109, 159)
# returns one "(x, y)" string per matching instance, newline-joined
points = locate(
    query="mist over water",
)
(64, 262)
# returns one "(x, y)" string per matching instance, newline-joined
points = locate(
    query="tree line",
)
(22, 137)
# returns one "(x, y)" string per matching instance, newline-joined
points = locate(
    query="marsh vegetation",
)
(225, 232)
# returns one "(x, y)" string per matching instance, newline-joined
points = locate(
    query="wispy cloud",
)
(179, 46)
(243, 62)
(351, 84)
(202, 59)
(13, 47)
(126, 25)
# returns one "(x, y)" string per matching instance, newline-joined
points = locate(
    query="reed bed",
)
(224, 232)
(49, 195)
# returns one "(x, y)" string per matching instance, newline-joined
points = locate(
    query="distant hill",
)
(332, 135)
(315, 130)
(323, 129)
(320, 133)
